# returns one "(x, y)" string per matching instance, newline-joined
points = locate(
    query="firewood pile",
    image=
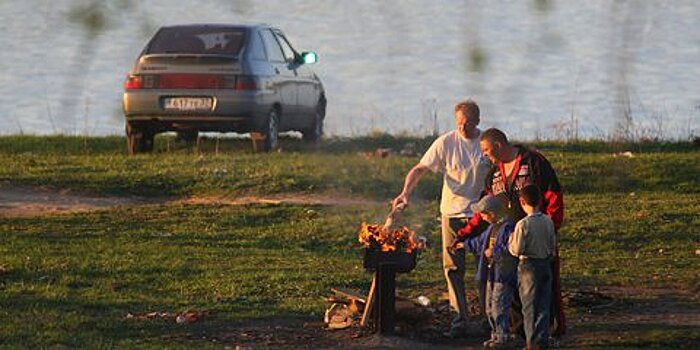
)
(347, 308)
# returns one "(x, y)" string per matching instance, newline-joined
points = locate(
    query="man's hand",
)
(456, 245)
(401, 201)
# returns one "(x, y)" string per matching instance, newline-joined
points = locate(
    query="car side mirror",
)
(307, 57)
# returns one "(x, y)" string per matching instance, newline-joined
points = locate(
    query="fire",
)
(403, 239)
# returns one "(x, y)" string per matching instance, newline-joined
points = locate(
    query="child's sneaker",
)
(493, 345)
(496, 342)
(489, 341)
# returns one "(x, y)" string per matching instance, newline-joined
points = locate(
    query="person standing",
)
(497, 267)
(516, 167)
(533, 242)
(456, 154)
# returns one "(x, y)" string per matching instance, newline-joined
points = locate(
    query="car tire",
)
(147, 141)
(315, 132)
(267, 139)
(138, 140)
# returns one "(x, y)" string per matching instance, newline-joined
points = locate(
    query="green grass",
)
(100, 166)
(648, 239)
(103, 168)
(75, 277)
(70, 280)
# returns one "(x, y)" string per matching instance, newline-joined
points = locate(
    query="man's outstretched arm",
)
(409, 184)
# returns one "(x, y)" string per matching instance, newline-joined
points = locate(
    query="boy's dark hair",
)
(531, 195)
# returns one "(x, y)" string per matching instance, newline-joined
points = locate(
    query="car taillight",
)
(190, 81)
(133, 82)
(246, 82)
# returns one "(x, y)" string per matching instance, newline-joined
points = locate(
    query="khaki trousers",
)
(454, 265)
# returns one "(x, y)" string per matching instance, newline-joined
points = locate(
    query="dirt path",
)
(23, 201)
(288, 198)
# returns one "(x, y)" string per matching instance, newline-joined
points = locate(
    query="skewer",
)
(390, 218)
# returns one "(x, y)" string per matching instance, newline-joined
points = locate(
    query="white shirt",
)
(465, 169)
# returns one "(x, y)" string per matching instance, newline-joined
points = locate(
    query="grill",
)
(401, 262)
(385, 266)
(387, 252)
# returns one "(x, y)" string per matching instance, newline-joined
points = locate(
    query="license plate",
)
(188, 103)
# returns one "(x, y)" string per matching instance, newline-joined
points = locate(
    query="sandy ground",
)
(21, 201)
(308, 199)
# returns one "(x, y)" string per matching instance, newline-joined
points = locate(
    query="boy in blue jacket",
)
(495, 266)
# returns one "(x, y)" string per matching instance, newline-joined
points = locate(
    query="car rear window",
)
(198, 40)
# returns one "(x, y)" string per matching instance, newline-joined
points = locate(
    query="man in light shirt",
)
(456, 154)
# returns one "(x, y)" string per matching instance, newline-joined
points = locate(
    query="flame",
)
(403, 239)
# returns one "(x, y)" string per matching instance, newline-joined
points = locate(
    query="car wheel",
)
(267, 139)
(133, 139)
(315, 132)
(138, 140)
(147, 141)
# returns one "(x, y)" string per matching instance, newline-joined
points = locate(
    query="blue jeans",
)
(535, 288)
(498, 298)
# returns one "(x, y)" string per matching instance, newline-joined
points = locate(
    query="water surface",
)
(539, 69)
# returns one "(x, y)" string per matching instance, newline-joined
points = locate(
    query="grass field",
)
(69, 280)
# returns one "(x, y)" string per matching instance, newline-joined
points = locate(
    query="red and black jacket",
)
(531, 167)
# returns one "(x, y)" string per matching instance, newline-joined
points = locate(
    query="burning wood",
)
(400, 240)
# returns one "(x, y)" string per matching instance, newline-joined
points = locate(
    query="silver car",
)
(224, 78)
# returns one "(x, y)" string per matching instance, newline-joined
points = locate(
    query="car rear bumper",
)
(230, 111)
(159, 123)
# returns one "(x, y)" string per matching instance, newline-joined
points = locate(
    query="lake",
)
(538, 69)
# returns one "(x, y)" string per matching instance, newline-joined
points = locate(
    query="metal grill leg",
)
(386, 295)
